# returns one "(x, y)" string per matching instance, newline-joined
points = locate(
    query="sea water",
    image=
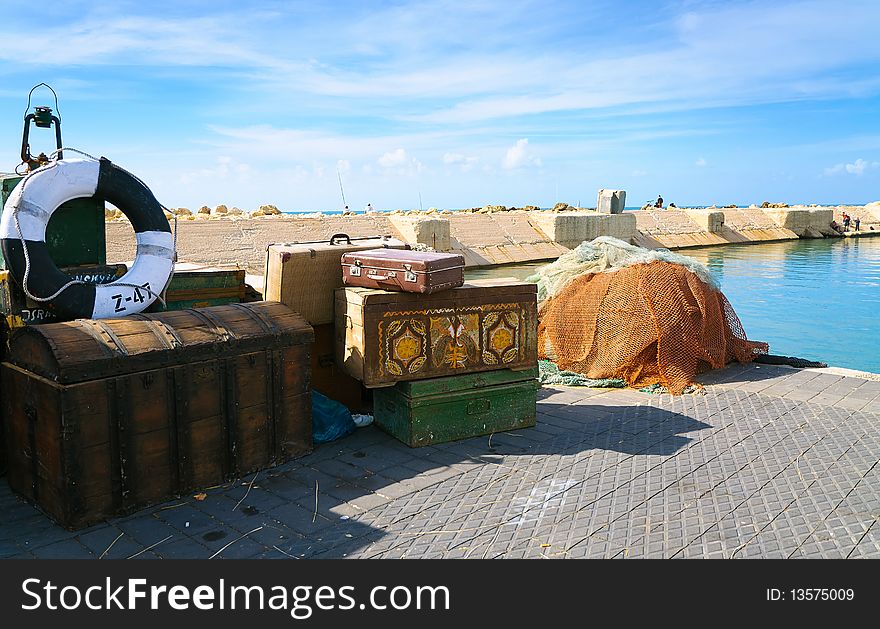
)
(814, 299)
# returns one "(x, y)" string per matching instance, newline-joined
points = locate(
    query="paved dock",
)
(770, 462)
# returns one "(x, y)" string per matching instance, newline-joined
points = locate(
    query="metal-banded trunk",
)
(439, 410)
(109, 416)
(385, 337)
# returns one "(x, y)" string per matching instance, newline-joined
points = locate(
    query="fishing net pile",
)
(610, 310)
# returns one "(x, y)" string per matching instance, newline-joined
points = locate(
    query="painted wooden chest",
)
(112, 415)
(438, 410)
(385, 337)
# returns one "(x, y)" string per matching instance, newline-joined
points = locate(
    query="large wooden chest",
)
(112, 415)
(439, 410)
(385, 337)
(304, 275)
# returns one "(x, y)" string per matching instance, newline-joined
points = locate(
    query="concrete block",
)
(708, 220)
(611, 201)
(622, 226)
(802, 221)
(572, 228)
(433, 232)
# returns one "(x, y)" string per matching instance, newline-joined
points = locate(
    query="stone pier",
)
(487, 238)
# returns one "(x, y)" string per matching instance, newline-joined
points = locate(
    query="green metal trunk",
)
(439, 410)
(75, 233)
(196, 286)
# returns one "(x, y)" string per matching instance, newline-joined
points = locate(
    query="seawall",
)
(491, 237)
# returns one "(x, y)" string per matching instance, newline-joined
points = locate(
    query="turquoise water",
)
(815, 299)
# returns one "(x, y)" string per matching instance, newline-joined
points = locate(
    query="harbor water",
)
(814, 299)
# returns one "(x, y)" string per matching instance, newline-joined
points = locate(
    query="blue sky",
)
(464, 103)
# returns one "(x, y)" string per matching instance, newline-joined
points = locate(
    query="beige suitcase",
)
(304, 276)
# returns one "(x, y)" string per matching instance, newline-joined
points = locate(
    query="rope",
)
(27, 258)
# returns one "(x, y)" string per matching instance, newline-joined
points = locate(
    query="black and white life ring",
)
(27, 212)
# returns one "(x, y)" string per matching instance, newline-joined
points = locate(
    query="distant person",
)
(857, 223)
(346, 209)
(836, 226)
(846, 220)
(369, 209)
(659, 202)
(673, 205)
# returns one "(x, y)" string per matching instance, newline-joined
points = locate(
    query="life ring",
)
(32, 203)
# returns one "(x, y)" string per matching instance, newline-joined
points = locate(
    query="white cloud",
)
(393, 159)
(700, 162)
(857, 168)
(343, 166)
(400, 163)
(464, 162)
(519, 156)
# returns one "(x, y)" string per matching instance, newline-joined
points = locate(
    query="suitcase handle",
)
(336, 237)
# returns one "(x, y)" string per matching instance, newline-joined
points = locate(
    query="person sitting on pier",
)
(659, 203)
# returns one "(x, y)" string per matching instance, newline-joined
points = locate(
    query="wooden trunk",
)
(113, 415)
(439, 410)
(198, 286)
(331, 381)
(304, 275)
(386, 337)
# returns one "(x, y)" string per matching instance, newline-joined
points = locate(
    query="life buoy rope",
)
(23, 239)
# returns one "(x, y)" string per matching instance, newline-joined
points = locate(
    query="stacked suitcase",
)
(445, 360)
(441, 359)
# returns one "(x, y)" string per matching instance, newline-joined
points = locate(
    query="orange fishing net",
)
(646, 323)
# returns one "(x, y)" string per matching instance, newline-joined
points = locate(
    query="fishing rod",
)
(341, 188)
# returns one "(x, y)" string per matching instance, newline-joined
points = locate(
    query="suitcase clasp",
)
(409, 276)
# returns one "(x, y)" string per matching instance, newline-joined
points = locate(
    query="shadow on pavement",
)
(341, 498)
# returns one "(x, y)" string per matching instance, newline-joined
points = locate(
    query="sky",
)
(458, 104)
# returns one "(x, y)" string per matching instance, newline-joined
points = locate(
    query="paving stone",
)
(65, 549)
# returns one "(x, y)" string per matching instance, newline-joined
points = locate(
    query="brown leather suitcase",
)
(110, 416)
(408, 271)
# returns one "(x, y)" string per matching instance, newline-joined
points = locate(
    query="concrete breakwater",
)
(495, 236)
